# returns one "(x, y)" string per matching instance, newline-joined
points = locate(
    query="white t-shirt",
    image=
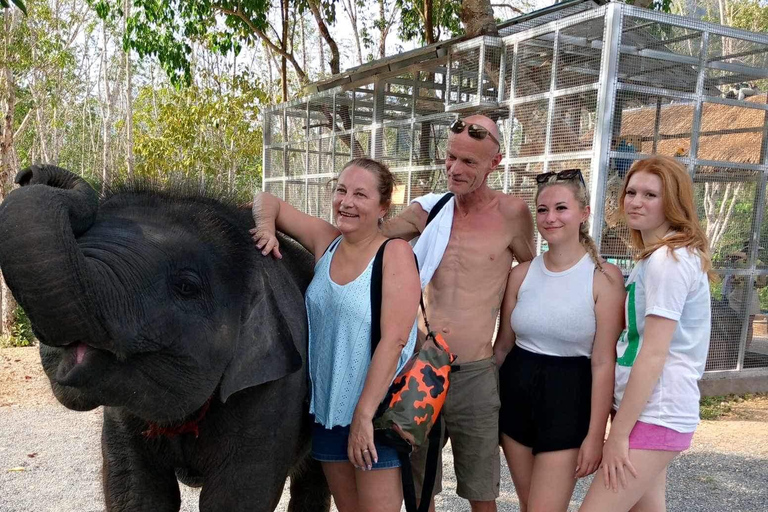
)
(672, 287)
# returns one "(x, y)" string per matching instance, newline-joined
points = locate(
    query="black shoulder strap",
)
(434, 447)
(376, 289)
(438, 206)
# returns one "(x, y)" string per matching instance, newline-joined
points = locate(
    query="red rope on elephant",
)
(154, 430)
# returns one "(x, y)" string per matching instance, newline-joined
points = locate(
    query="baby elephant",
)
(153, 303)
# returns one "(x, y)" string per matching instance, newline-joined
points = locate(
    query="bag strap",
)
(434, 446)
(438, 206)
(376, 293)
(376, 290)
(433, 443)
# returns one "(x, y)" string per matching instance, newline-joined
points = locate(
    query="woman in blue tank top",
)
(347, 381)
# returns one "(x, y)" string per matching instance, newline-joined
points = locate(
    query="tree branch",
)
(263, 37)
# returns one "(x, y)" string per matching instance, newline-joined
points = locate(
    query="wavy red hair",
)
(679, 209)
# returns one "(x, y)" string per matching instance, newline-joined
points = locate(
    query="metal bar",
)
(740, 68)
(502, 75)
(305, 207)
(555, 157)
(477, 42)
(579, 89)
(696, 124)
(745, 324)
(737, 103)
(727, 374)
(664, 42)
(480, 71)
(736, 55)
(284, 118)
(333, 133)
(424, 85)
(447, 97)
(656, 91)
(552, 25)
(281, 179)
(511, 106)
(695, 24)
(606, 101)
(552, 103)
(732, 165)
(638, 27)
(267, 148)
(656, 125)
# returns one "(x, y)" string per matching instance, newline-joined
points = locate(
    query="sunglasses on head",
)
(568, 174)
(473, 130)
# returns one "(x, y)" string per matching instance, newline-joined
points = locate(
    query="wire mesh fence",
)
(589, 87)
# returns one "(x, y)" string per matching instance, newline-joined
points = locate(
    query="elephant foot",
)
(309, 489)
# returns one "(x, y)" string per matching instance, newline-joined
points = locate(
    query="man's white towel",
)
(430, 246)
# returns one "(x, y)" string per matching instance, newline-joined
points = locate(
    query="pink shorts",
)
(645, 436)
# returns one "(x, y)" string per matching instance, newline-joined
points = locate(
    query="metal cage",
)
(587, 86)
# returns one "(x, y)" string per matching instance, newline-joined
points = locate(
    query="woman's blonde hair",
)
(679, 209)
(582, 197)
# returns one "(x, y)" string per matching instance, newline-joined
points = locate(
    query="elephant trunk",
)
(39, 256)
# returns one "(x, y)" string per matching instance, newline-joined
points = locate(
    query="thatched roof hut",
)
(728, 133)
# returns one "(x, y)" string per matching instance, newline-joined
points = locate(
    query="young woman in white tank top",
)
(561, 316)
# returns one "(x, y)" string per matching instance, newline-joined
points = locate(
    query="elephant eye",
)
(187, 284)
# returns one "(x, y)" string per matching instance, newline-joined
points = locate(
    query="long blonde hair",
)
(582, 197)
(679, 209)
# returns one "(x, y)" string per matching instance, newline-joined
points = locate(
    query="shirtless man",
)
(463, 299)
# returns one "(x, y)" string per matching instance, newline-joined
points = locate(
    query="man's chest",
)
(479, 243)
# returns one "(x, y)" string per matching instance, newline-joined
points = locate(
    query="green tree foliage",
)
(166, 29)
(5, 4)
(417, 16)
(201, 131)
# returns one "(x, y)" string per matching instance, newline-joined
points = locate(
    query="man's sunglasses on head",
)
(566, 175)
(473, 130)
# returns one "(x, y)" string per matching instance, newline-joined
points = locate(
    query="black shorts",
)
(545, 400)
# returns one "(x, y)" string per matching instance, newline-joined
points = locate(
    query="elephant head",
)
(152, 300)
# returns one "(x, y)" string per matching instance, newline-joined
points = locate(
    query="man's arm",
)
(519, 216)
(407, 225)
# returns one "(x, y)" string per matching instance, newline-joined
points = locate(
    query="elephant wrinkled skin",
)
(154, 304)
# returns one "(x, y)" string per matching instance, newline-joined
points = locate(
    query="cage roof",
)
(440, 49)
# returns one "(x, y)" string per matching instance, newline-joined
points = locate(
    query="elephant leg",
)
(309, 489)
(134, 480)
(249, 482)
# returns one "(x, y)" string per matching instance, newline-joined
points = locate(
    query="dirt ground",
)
(22, 380)
(45, 449)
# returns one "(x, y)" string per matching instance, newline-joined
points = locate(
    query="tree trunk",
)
(7, 161)
(315, 6)
(477, 18)
(106, 172)
(429, 26)
(350, 7)
(283, 61)
(384, 28)
(128, 95)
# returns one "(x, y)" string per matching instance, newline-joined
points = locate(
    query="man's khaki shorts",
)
(471, 419)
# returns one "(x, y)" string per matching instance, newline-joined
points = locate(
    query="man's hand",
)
(266, 242)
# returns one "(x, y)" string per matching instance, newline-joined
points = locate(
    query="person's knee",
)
(483, 506)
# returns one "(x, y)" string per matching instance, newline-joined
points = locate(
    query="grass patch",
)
(21, 333)
(714, 407)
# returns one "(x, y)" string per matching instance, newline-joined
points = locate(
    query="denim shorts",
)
(330, 445)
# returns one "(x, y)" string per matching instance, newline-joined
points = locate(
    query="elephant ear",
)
(273, 335)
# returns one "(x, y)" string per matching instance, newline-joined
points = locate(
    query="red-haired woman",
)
(663, 349)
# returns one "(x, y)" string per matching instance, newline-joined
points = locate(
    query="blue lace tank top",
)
(339, 319)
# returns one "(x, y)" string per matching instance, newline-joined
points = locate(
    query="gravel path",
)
(50, 461)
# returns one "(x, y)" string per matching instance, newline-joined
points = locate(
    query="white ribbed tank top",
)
(555, 311)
